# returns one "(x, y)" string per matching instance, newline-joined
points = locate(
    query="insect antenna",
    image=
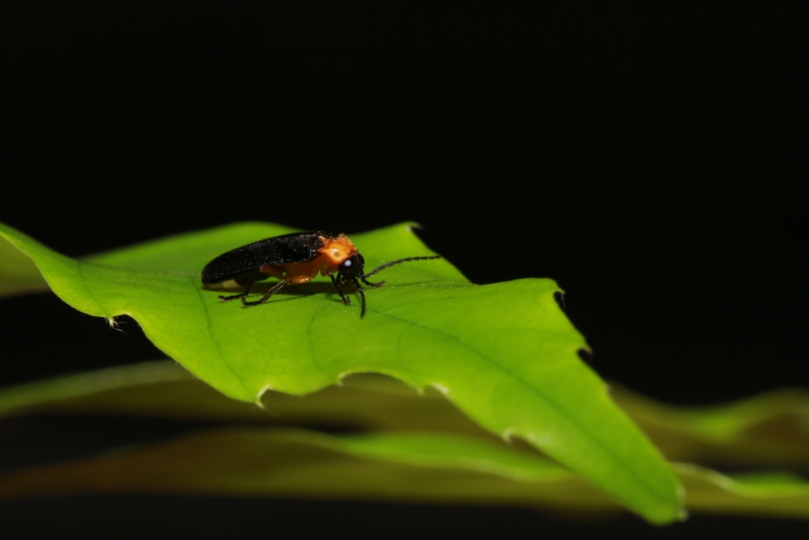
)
(406, 259)
(377, 269)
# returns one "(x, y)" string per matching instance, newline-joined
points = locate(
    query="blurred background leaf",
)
(397, 444)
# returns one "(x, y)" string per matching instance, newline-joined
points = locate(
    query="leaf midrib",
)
(536, 391)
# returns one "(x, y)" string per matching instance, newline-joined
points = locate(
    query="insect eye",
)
(352, 266)
(348, 267)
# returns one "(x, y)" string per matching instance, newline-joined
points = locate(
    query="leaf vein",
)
(209, 330)
(553, 404)
(87, 288)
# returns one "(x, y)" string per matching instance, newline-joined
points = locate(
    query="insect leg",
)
(240, 295)
(362, 296)
(275, 288)
(336, 284)
(371, 284)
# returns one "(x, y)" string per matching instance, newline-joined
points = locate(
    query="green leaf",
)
(296, 463)
(775, 494)
(18, 273)
(163, 389)
(417, 448)
(394, 467)
(504, 354)
(768, 430)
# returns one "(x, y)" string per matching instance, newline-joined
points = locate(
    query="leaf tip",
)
(410, 225)
(508, 434)
(114, 323)
(559, 296)
(585, 354)
(260, 395)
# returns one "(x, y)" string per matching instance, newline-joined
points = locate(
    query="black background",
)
(648, 160)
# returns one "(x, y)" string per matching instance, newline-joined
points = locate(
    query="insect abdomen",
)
(289, 248)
